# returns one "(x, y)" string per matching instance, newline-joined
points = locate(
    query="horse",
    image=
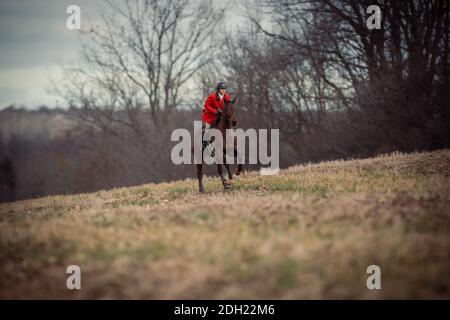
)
(226, 121)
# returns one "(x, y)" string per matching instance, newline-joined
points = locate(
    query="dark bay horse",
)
(227, 120)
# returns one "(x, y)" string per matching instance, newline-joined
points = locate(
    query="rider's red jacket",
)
(212, 103)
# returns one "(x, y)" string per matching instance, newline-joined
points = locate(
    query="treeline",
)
(339, 88)
(312, 69)
(63, 155)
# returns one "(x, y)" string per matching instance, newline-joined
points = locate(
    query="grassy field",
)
(309, 232)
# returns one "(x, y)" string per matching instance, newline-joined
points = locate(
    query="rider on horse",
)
(212, 118)
(213, 107)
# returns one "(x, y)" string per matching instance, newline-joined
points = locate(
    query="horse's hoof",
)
(237, 173)
(226, 184)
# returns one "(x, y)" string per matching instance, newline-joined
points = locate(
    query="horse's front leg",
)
(238, 170)
(201, 189)
(230, 174)
(225, 183)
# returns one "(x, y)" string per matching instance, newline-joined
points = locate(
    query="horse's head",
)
(229, 113)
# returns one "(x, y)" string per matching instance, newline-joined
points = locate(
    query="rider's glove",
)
(218, 112)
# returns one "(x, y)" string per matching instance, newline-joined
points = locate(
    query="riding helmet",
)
(221, 85)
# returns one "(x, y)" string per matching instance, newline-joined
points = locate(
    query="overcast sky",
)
(34, 42)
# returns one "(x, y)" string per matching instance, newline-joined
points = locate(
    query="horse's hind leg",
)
(227, 166)
(201, 189)
(239, 168)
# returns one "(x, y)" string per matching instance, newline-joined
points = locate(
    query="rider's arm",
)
(209, 105)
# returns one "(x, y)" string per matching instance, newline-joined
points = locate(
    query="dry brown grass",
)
(309, 232)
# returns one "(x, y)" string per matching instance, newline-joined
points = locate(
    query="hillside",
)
(309, 232)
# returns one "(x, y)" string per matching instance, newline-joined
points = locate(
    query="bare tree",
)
(389, 82)
(140, 59)
(136, 68)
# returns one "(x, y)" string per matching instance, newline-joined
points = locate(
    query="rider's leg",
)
(207, 137)
(207, 132)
